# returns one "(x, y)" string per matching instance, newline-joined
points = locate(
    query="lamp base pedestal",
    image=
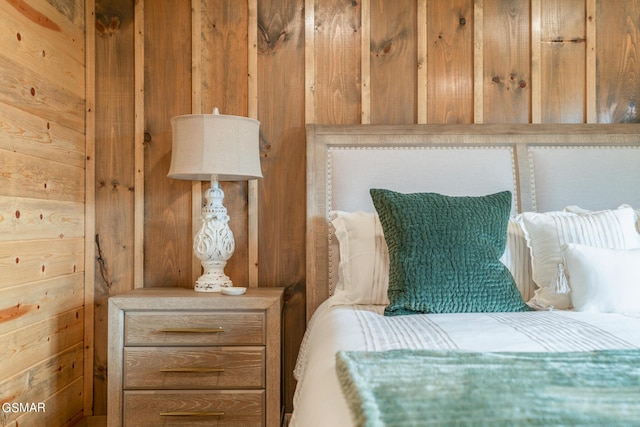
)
(213, 279)
(213, 244)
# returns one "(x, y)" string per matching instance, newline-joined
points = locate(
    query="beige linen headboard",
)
(546, 167)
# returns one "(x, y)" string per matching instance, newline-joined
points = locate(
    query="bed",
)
(554, 204)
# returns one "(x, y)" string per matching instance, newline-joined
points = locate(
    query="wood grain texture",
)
(68, 404)
(422, 72)
(281, 110)
(240, 408)
(478, 61)
(26, 176)
(337, 61)
(591, 62)
(253, 202)
(563, 56)
(53, 25)
(34, 302)
(618, 61)
(114, 172)
(139, 145)
(34, 260)
(31, 91)
(450, 61)
(39, 137)
(236, 328)
(45, 378)
(168, 238)
(26, 219)
(259, 310)
(393, 58)
(43, 85)
(27, 346)
(507, 61)
(231, 367)
(38, 50)
(90, 205)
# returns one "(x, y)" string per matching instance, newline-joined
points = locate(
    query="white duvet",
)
(318, 399)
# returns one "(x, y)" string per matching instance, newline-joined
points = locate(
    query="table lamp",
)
(214, 147)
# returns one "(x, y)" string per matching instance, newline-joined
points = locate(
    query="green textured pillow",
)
(444, 253)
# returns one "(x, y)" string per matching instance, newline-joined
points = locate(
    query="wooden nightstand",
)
(179, 357)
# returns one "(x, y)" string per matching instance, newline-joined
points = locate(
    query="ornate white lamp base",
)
(213, 279)
(214, 244)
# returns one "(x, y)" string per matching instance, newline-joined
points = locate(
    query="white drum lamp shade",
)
(214, 147)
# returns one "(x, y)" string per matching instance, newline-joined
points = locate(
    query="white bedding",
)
(318, 399)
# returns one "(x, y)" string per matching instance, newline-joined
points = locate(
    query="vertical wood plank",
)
(167, 66)
(478, 62)
(252, 58)
(196, 56)
(196, 108)
(392, 55)
(225, 56)
(422, 47)
(281, 91)
(252, 186)
(365, 61)
(309, 61)
(138, 214)
(114, 200)
(450, 61)
(563, 61)
(89, 203)
(618, 53)
(591, 83)
(337, 62)
(536, 61)
(507, 61)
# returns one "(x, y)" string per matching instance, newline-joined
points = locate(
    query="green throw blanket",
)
(457, 388)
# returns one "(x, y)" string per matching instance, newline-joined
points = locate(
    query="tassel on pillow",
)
(560, 284)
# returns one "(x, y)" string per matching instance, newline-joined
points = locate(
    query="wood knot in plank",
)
(268, 47)
(107, 26)
(33, 15)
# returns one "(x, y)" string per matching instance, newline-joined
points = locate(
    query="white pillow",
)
(578, 209)
(546, 233)
(603, 280)
(517, 258)
(363, 271)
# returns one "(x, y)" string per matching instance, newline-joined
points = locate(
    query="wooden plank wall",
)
(46, 134)
(291, 62)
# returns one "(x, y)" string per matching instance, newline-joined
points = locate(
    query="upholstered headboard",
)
(546, 167)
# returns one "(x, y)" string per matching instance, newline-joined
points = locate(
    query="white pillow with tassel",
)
(547, 233)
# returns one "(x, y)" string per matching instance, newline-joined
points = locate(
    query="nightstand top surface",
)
(183, 298)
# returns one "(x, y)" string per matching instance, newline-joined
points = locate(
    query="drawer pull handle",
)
(192, 370)
(194, 330)
(192, 414)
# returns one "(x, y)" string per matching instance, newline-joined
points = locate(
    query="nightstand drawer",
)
(188, 408)
(194, 367)
(179, 328)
